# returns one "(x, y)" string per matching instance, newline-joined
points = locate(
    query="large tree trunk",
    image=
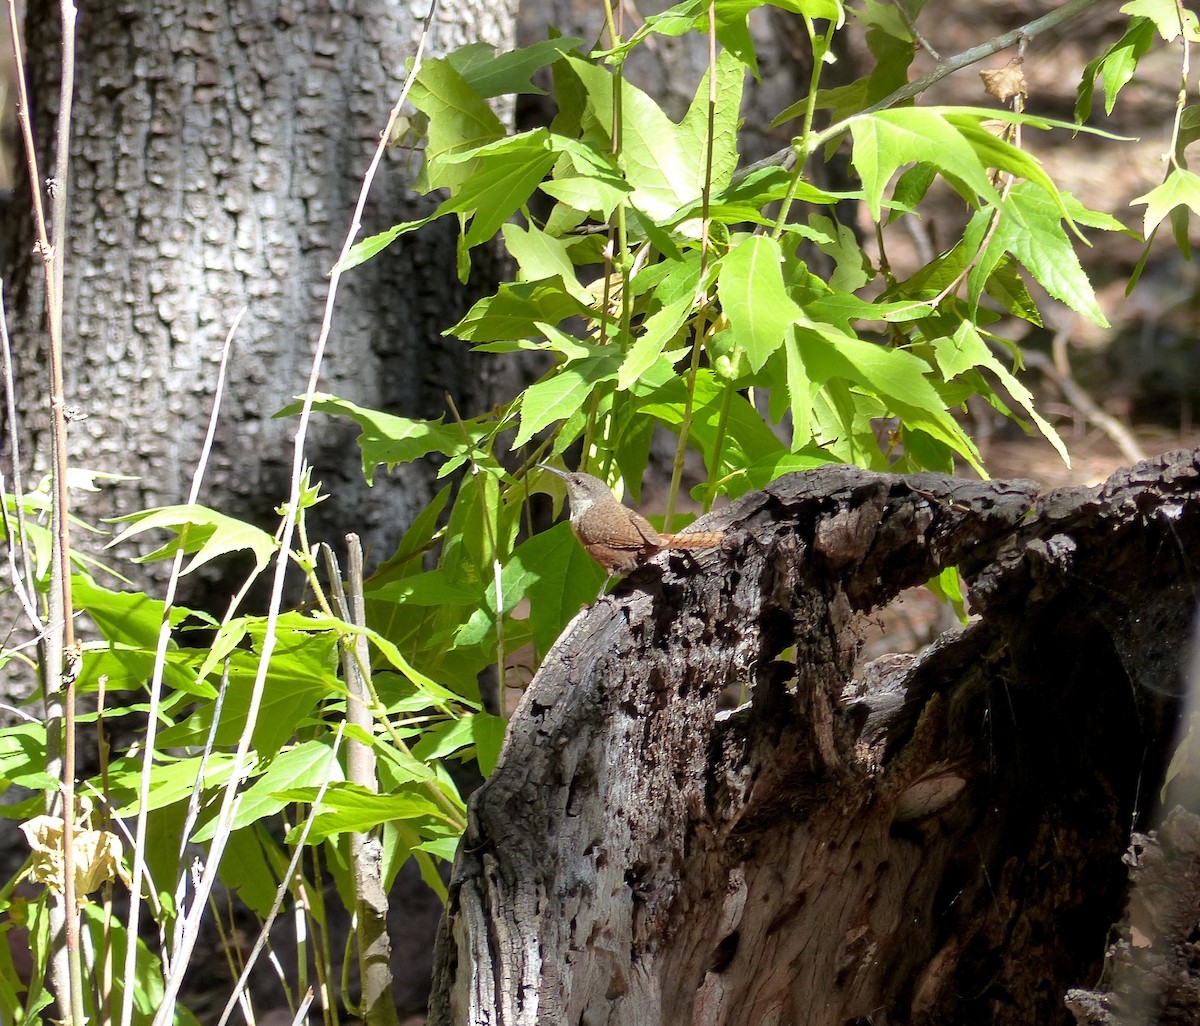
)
(218, 149)
(708, 812)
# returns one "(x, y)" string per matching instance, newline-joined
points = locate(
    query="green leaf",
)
(895, 376)
(171, 780)
(459, 119)
(1030, 228)
(385, 438)
(444, 739)
(1182, 188)
(22, 750)
(247, 869)
(694, 128)
(663, 165)
(587, 195)
(487, 731)
(559, 579)
(947, 587)
(309, 763)
(301, 673)
(1117, 66)
(887, 140)
(747, 438)
(732, 30)
(852, 269)
(660, 329)
(198, 530)
(1170, 18)
(754, 299)
(433, 692)
(762, 472)
(539, 256)
(498, 74)
(347, 807)
(106, 933)
(556, 397)
(800, 391)
(505, 174)
(995, 153)
(431, 588)
(516, 310)
(365, 249)
(910, 189)
(967, 349)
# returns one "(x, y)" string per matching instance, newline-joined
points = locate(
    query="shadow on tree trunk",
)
(918, 840)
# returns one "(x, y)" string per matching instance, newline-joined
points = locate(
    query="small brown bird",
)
(612, 534)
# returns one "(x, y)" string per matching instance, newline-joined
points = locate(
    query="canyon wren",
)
(614, 535)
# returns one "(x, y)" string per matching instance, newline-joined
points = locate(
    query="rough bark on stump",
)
(920, 840)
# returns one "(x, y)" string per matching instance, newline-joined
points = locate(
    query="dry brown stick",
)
(366, 852)
(1058, 370)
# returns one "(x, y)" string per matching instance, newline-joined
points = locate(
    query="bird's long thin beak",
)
(553, 470)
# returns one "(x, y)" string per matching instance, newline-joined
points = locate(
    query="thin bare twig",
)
(1058, 370)
(366, 852)
(947, 66)
(58, 645)
(911, 25)
(282, 889)
(18, 543)
(160, 662)
(302, 1012)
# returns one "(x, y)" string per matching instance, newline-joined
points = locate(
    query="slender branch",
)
(911, 25)
(281, 890)
(160, 662)
(59, 640)
(22, 578)
(947, 66)
(366, 850)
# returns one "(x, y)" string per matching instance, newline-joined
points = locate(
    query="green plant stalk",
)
(497, 579)
(314, 904)
(616, 255)
(716, 463)
(801, 146)
(1173, 154)
(685, 427)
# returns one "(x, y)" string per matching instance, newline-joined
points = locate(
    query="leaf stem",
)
(801, 144)
(685, 427)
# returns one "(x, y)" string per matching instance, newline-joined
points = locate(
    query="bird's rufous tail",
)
(693, 540)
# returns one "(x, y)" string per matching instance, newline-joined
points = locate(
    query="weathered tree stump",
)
(921, 839)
